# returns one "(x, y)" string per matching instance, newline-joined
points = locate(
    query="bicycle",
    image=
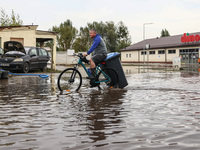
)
(70, 79)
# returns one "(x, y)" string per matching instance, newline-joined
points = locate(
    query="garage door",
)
(21, 40)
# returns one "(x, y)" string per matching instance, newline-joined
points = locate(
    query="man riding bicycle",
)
(70, 79)
(99, 51)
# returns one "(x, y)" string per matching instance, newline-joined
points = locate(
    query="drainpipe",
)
(138, 56)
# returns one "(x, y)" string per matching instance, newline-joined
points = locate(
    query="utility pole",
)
(144, 40)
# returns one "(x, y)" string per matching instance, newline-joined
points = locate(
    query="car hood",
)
(13, 46)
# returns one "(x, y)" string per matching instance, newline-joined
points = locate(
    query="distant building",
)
(164, 49)
(28, 35)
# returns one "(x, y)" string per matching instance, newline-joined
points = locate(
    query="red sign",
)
(190, 38)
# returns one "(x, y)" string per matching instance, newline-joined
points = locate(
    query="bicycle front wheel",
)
(109, 77)
(69, 80)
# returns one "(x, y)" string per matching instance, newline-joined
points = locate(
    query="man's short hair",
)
(93, 30)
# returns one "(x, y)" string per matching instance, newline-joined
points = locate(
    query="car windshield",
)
(27, 49)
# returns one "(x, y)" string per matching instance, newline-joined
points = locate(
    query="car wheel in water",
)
(26, 67)
(43, 69)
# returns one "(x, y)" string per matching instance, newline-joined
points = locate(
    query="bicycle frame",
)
(98, 69)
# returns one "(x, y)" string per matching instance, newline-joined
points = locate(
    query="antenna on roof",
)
(34, 20)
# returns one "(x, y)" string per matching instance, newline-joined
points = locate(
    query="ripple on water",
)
(155, 111)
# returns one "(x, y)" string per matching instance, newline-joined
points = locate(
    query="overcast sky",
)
(177, 16)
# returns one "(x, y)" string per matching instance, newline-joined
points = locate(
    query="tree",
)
(66, 35)
(13, 20)
(111, 36)
(83, 41)
(4, 20)
(124, 39)
(115, 36)
(164, 33)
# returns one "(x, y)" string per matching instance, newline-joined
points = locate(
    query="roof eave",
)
(164, 47)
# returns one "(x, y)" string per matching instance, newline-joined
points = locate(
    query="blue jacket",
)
(98, 46)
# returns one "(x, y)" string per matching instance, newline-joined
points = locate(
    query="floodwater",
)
(158, 110)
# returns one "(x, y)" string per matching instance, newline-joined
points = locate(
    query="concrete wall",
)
(61, 57)
(67, 58)
(64, 59)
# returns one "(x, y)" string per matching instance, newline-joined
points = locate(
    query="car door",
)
(33, 52)
(43, 57)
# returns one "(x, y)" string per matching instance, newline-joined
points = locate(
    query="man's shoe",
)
(93, 84)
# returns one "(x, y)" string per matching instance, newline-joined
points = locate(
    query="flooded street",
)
(158, 110)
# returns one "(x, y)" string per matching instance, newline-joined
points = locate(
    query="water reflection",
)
(20, 103)
(157, 110)
(152, 69)
(144, 69)
(105, 113)
(100, 113)
(53, 83)
(24, 86)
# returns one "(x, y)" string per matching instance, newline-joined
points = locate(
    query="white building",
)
(164, 49)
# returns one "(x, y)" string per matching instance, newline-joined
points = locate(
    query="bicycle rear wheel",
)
(114, 79)
(69, 80)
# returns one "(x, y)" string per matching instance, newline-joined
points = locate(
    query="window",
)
(129, 55)
(33, 52)
(143, 53)
(1, 51)
(161, 52)
(126, 55)
(152, 52)
(42, 52)
(171, 51)
(188, 50)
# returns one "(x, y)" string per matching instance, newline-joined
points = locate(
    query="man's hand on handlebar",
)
(84, 55)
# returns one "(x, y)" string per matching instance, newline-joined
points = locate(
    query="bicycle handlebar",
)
(80, 55)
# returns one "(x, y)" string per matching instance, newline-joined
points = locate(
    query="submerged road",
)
(157, 110)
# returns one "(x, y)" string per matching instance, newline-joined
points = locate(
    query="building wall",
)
(28, 35)
(169, 57)
(137, 57)
(130, 56)
(157, 57)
